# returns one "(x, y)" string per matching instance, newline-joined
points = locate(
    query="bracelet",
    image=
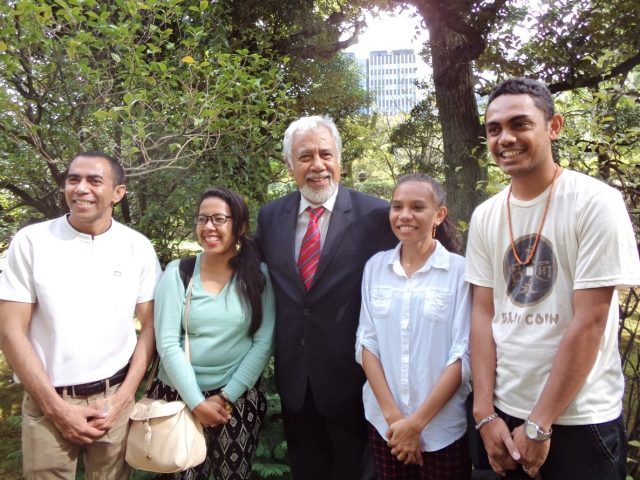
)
(486, 420)
(228, 404)
(224, 396)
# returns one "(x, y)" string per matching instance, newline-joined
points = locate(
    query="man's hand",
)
(404, 441)
(111, 408)
(532, 454)
(502, 451)
(74, 422)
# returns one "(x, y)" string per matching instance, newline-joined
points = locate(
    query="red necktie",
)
(310, 248)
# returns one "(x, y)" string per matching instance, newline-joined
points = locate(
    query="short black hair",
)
(537, 90)
(116, 167)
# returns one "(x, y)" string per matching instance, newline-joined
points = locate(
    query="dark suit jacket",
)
(315, 330)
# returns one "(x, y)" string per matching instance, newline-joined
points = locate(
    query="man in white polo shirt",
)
(68, 294)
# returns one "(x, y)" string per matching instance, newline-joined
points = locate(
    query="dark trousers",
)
(581, 452)
(322, 448)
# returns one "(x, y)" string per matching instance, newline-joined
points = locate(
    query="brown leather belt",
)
(91, 388)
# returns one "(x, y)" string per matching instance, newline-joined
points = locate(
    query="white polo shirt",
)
(85, 290)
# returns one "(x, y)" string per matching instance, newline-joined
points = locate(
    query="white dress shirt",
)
(303, 220)
(417, 327)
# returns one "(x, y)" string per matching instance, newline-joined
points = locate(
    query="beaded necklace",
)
(527, 261)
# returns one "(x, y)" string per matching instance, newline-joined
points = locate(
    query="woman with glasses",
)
(231, 323)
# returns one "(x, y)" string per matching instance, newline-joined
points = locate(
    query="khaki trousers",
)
(46, 454)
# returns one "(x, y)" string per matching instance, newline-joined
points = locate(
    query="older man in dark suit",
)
(316, 242)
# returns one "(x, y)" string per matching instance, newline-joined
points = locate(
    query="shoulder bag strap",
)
(185, 320)
(186, 268)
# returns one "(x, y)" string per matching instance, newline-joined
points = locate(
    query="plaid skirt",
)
(450, 463)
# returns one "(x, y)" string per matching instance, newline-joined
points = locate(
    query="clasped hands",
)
(85, 424)
(404, 440)
(508, 449)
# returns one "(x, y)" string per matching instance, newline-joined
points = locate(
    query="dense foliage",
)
(190, 93)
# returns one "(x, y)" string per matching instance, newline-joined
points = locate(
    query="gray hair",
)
(309, 123)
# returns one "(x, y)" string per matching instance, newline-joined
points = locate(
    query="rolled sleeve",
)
(460, 329)
(366, 333)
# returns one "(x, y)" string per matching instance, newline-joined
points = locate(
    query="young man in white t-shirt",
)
(545, 257)
(67, 298)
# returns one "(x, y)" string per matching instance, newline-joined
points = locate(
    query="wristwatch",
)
(534, 432)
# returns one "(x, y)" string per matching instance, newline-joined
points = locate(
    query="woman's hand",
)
(212, 412)
(404, 441)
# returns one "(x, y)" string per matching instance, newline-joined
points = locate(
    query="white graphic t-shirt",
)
(587, 242)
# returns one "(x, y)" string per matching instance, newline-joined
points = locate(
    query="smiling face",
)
(91, 192)
(213, 238)
(519, 137)
(316, 168)
(414, 212)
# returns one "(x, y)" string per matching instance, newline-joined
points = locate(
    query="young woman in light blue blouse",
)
(231, 323)
(412, 341)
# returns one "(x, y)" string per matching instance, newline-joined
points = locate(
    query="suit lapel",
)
(341, 218)
(286, 236)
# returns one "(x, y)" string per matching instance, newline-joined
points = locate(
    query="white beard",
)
(318, 197)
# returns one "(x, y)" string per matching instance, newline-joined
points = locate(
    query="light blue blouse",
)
(222, 352)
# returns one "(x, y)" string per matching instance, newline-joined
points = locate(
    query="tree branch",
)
(594, 81)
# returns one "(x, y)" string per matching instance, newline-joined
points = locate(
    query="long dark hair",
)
(246, 264)
(446, 233)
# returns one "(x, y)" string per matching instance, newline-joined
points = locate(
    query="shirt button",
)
(306, 312)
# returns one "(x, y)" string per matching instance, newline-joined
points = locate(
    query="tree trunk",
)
(461, 128)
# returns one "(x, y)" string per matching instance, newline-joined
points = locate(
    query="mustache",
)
(316, 176)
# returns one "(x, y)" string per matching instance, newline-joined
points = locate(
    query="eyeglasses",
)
(217, 219)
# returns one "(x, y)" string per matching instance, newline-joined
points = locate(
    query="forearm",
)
(143, 352)
(23, 359)
(445, 388)
(378, 382)
(167, 312)
(482, 352)
(249, 370)
(29, 369)
(576, 355)
(255, 361)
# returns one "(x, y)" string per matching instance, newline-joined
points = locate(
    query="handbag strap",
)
(187, 349)
(185, 319)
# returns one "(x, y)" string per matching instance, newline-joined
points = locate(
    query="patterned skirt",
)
(230, 447)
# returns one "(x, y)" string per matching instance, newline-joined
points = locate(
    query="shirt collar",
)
(328, 205)
(438, 259)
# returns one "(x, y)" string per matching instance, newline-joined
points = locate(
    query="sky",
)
(388, 32)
